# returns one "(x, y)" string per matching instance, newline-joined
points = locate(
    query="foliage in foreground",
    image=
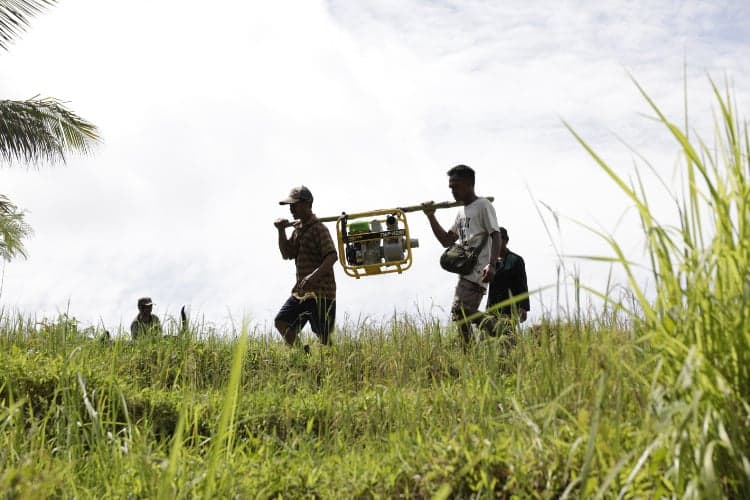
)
(699, 324)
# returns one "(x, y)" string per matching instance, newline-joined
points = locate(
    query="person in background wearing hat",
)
(509, 281)
(145, 324)
(313, 296)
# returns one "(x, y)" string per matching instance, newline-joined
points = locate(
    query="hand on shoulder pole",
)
(428, 207)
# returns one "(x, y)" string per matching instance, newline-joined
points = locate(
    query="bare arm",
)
(446, 238)
(285, 245)
(327, 263)
(488, 273)
(324, 267)
(495, 248)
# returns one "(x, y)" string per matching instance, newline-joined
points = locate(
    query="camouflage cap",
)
(299, 193)
(145, 301)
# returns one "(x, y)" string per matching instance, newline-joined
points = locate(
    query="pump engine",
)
(366, 247)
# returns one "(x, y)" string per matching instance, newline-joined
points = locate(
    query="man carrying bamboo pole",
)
(313, 296)
(475, 226)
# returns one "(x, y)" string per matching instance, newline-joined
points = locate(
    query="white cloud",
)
(210, 115)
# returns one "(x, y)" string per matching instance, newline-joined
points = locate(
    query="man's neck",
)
(471, 199)
(504, 253)
(306, 219)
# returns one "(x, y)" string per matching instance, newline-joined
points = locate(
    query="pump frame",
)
(344, 238)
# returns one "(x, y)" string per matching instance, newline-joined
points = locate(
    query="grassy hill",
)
(398, 410)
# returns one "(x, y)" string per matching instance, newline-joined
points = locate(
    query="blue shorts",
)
(321, 313)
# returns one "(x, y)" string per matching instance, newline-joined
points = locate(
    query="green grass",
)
(699, 323)
(397, 410)
(648, 398)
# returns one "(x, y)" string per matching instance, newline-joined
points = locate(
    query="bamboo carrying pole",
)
(412, 208)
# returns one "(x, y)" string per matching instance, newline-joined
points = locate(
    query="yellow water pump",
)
(377, 241)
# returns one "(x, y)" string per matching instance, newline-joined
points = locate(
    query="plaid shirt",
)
(311, 243)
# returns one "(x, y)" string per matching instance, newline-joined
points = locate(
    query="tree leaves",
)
(42, 130)
(15, 17)
(13, 229)
(32, 131)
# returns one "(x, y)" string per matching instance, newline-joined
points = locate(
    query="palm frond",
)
(13, 229)
(15, 17)
(42, 130)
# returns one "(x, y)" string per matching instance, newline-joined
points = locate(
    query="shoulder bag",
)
(460, 258)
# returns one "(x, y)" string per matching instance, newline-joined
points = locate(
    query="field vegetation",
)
(646, 397)
(395, 410)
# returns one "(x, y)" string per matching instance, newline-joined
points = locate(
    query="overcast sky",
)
(211, 111)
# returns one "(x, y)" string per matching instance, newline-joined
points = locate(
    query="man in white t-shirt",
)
(475, 225)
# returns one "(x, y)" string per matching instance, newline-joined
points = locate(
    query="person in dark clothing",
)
(145, 324)
(509, 281)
